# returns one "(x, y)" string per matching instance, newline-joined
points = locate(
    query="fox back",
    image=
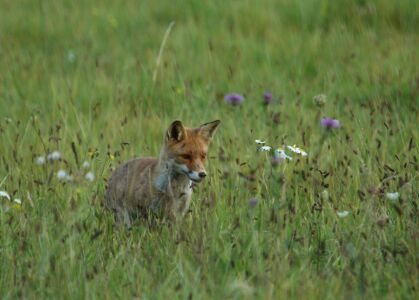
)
(161, 185)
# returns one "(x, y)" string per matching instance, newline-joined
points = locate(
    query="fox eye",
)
(203, 156)
(186, 156)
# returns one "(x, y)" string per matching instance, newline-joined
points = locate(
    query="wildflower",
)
(267, 98)
(90, 176)
(234, 99)
(55, 155)
(329, 123)
(392, 196)
(320, 100)
(17, 201)
(253, 202)
(280, 153)
(265, 148)
(5, 194)
(40, 160)
(260, 142)
(297, 150)
(342, 214)
(71, 56)
(86, 165)
(63, 176)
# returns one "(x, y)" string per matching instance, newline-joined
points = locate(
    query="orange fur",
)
(161, 185)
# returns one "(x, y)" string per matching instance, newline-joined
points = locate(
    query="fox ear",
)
(207, 130)
(176, 131)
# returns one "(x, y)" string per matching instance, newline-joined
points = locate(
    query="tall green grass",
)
(82, 72)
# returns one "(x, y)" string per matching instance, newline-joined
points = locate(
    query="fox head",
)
(187, 148)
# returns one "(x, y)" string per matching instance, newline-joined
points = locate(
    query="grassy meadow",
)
(98, 82)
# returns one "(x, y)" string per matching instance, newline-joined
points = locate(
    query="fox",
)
(161, 185)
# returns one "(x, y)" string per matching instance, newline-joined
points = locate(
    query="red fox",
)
(161, 185)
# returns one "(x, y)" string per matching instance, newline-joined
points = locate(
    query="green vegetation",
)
(81, 72)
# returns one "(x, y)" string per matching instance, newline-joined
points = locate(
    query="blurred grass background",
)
(82, 72)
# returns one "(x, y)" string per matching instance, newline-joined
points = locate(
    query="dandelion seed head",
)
(40, 160)
(62, 175)
(393, 196)
(90, 176)
(86, 165)
(54, 155)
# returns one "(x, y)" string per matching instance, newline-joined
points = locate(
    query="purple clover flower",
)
(234, 99)
(267, 98)
(253, 202)
(330, 123)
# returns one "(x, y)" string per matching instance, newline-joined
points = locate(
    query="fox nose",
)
(202, 174)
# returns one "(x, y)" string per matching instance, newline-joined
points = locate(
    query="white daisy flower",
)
(40, 160)
(90, 176)
(265, 148)
(342, 214)
(392, 196)
(86, 165)
(55, 155)
(280, 153)
(260, 142)
(5, 194)
(63, 176)
(18, 201)
(297, 150)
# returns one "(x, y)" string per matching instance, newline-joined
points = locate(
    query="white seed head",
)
(55, 155)
(40, 160)
(86, 165)
(64, 176)
(342, 214)
(393, 196)
(90, 176)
